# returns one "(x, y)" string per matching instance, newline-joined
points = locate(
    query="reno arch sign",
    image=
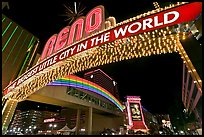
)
(81, 28)
(93, 22)
(77, 38)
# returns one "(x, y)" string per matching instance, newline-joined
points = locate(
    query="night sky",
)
(157, 79)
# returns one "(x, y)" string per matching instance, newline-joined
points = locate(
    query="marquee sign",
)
(82, 35)
(57, 119)
(49, 120)
(135, 114)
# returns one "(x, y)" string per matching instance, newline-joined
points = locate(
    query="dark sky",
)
(157, 79)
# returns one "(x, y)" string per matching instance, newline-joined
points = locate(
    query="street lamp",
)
(52, 126)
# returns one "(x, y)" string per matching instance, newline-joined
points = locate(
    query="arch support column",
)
(7, 114)
(90, 119)
(78, 121)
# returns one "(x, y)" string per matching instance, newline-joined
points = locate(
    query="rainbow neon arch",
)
(77, 82)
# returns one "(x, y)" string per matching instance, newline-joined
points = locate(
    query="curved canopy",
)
(66, 128)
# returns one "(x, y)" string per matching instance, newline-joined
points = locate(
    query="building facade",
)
(101, 78)
(192, 73)
(18, 50)
(191, 96)
(151, 122)
(30, 121)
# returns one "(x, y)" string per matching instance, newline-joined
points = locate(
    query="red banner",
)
(159, 20)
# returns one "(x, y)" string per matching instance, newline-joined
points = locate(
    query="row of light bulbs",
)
(156, 5)
(190, 67)
(9, 111)
(147, 35)
(126, 48)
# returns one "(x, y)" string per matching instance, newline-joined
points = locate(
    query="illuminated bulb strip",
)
(190, 66)
(77, 82)
(103, 55)
(8, 112)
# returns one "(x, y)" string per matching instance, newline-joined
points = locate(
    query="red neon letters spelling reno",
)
(68, 35)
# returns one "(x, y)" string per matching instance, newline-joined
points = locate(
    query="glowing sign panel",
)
(90, 25)
(49, 46)
(61, 39)
(49, 120)
(135, 112)
(135, 115)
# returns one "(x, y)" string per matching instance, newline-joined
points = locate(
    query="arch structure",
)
(156, 32)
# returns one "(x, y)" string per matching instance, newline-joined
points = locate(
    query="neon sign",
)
(49, 120)
(93, 22)
(135, 115)
(69, 41)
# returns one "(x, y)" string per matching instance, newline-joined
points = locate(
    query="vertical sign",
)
(135, 115)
